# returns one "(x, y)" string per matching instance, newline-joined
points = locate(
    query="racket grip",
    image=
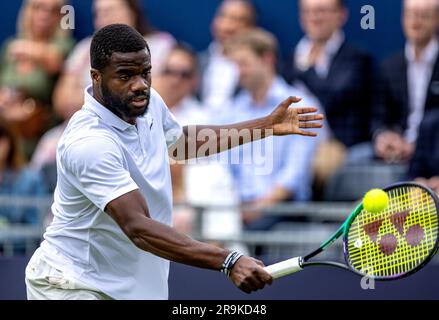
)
(284, 268)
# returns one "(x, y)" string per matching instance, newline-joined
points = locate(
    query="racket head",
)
(398, 241)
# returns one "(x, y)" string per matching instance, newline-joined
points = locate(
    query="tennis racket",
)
(388, 245)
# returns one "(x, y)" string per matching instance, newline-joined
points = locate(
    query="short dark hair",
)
(114, 38)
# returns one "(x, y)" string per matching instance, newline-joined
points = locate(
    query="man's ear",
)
(96, 76)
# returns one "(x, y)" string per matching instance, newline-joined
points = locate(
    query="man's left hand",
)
(286, 120)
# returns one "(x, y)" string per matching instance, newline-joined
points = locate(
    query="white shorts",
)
(44, 282)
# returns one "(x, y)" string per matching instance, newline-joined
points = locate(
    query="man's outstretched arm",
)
(201, 141)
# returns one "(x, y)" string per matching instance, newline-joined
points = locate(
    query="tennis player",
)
(111, 237)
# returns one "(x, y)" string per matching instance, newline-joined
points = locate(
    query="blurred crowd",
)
(384, 115)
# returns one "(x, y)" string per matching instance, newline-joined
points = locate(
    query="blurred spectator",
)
(76, 76)
(219, 74)
(177, 85)
(17, 180)
(424, 166)
(29, 65)
(280, 167)
(65, 104)
(340, 76)
(410, 84)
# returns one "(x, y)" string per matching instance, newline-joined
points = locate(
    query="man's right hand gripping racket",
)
(387, 245)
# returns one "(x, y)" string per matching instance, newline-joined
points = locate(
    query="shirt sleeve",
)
(97, 165)
(171, 127)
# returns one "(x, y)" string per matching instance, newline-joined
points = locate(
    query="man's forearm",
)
(204, 141)
(165, 242)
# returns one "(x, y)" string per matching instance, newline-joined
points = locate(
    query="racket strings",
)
(396, 241)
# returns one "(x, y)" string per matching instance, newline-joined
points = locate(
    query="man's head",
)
(320, 19)
(232, 17)
(121, 71)
(255, 54)
(420, 21)
(179, 77)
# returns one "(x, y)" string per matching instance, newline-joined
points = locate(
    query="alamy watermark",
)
(203, 146)
(368, 21)
(367, 282)
(68, 17)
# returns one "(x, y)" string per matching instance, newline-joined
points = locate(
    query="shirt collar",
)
(332, 46)
(102, 112)
(429, 55)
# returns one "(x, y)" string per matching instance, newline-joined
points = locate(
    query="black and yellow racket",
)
(387, 245)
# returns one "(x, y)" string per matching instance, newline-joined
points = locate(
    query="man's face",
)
(420, 20)
(252, 68)
(321, 18)
(125, 84)
(232, 17)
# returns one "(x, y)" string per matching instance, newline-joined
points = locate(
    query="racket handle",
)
(284, 268)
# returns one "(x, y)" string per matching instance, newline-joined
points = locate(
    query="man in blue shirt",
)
(276, 169)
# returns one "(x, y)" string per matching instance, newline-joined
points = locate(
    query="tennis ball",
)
(376, 200)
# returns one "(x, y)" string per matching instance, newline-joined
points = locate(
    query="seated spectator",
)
(340, 76)
(177, 84)
(410, 81)
(29, 65)
(76, 75)
(219, 74)
(283, 173)
(17, 180)
(424, 166)
(65, 104)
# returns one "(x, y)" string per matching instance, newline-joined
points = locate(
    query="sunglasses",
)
(185, 74)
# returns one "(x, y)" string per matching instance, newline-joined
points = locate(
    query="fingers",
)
(314, 117)
(249, 275)
(306, 110)
(266, 277)
(259, 262)
(288, 102)
(256, 281)
(307, 133)
(310, 125)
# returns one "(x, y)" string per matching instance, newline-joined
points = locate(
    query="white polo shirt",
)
(100, 158)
